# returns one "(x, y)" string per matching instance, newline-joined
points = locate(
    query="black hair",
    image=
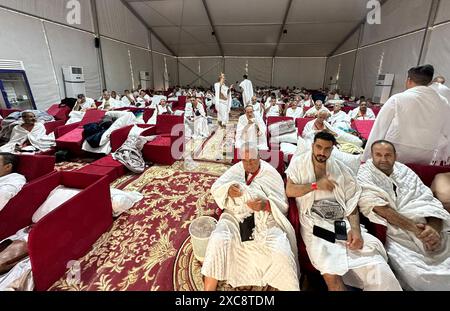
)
(382, 141)
(421, 75)
(324, 135)
(245, 77)
(80, 96)
(9, 158)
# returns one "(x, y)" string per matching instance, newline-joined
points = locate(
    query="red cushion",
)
(364, 127)
(71, 141)
(35, 166)
(69, 232)
(52, 126)
(273, 120)
(6, 112)
(428, 172)
(106, 166)
(301, 123)
(161, 141)
(59, 113)
(92, 116)
(159, 151)
(166, 123)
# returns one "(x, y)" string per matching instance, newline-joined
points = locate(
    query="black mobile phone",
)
(324, 234)
(340, 229)
(246, 228)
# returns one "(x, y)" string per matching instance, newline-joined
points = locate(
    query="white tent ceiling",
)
(251, 27)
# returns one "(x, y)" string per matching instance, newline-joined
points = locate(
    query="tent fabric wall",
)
(117, 22)
(397, 17)
(299, 72)
(439, 50)
(386, 57)
(32, 49)
(443, 14)
(158, 46)
(54, 10)
(208, 68)
(172, 67)
(140, 61)
(83, 53)
(158, 71)
(117, 64)
(259, 70)
(340, 69)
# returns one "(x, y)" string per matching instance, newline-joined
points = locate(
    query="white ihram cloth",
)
(223, 107)
(340, 120)
(111, 104)
(248, 133)
(309, 132)
(442, 90)
(201, 129)
(312, 112)
(10, 185)
(416, 122)
(370, 115)
(336, 258)
(297, 113)
(37, 137)
(75, 116)
(125, 118)
(247, 93)
(257, 109)
(269, 259)
(416, 268)
(274, 111)
(159, 110)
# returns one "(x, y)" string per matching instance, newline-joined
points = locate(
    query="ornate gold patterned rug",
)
(140, 250)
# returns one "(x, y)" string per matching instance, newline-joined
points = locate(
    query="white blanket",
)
(10, 185)
(309, 132)
(297, 113)
(416, 268)
(340, 120)
(37, 137)
(271, 258)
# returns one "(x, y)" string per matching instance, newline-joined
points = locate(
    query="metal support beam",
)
(216, 35)
(427, 36)
(99, 50)
(286, 13)
(132, 10)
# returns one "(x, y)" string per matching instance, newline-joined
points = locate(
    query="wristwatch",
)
(314, 186)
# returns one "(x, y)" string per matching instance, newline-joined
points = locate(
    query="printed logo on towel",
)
(74, 275)
(374, 15)
(73, 16)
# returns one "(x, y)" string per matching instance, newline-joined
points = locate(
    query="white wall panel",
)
(439, 51)
(299, 72)
(158, 46)
(117, 22)
(208, 68)
(140, 61)
(351, 43)
(443, 14)
(158, 71)
(398, 17)
(117, 65)
(172, 67)
(22, 38)
(54, 10)
(259, 70)
(395, 56)
(341, 68)
(83, 53)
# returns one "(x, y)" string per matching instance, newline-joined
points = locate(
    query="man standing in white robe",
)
(415, 121)
(223, 101)
(417, 224)
(251, 129)
(10, 182)
(252, 188)
(247, 91)
(201, 129)
(439, 86)
(327, 194)
(29, 136)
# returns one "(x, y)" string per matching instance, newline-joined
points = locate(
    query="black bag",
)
(246, 228)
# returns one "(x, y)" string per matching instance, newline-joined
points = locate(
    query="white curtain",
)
(299, 72)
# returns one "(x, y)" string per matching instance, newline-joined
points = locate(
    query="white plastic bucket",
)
(200, 230)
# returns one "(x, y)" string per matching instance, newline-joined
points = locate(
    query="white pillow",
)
(57, 197)
(122, 201)
(353, 162)
(281, 128)
(286, 138)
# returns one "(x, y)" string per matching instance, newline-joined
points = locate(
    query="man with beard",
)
(327, 196)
